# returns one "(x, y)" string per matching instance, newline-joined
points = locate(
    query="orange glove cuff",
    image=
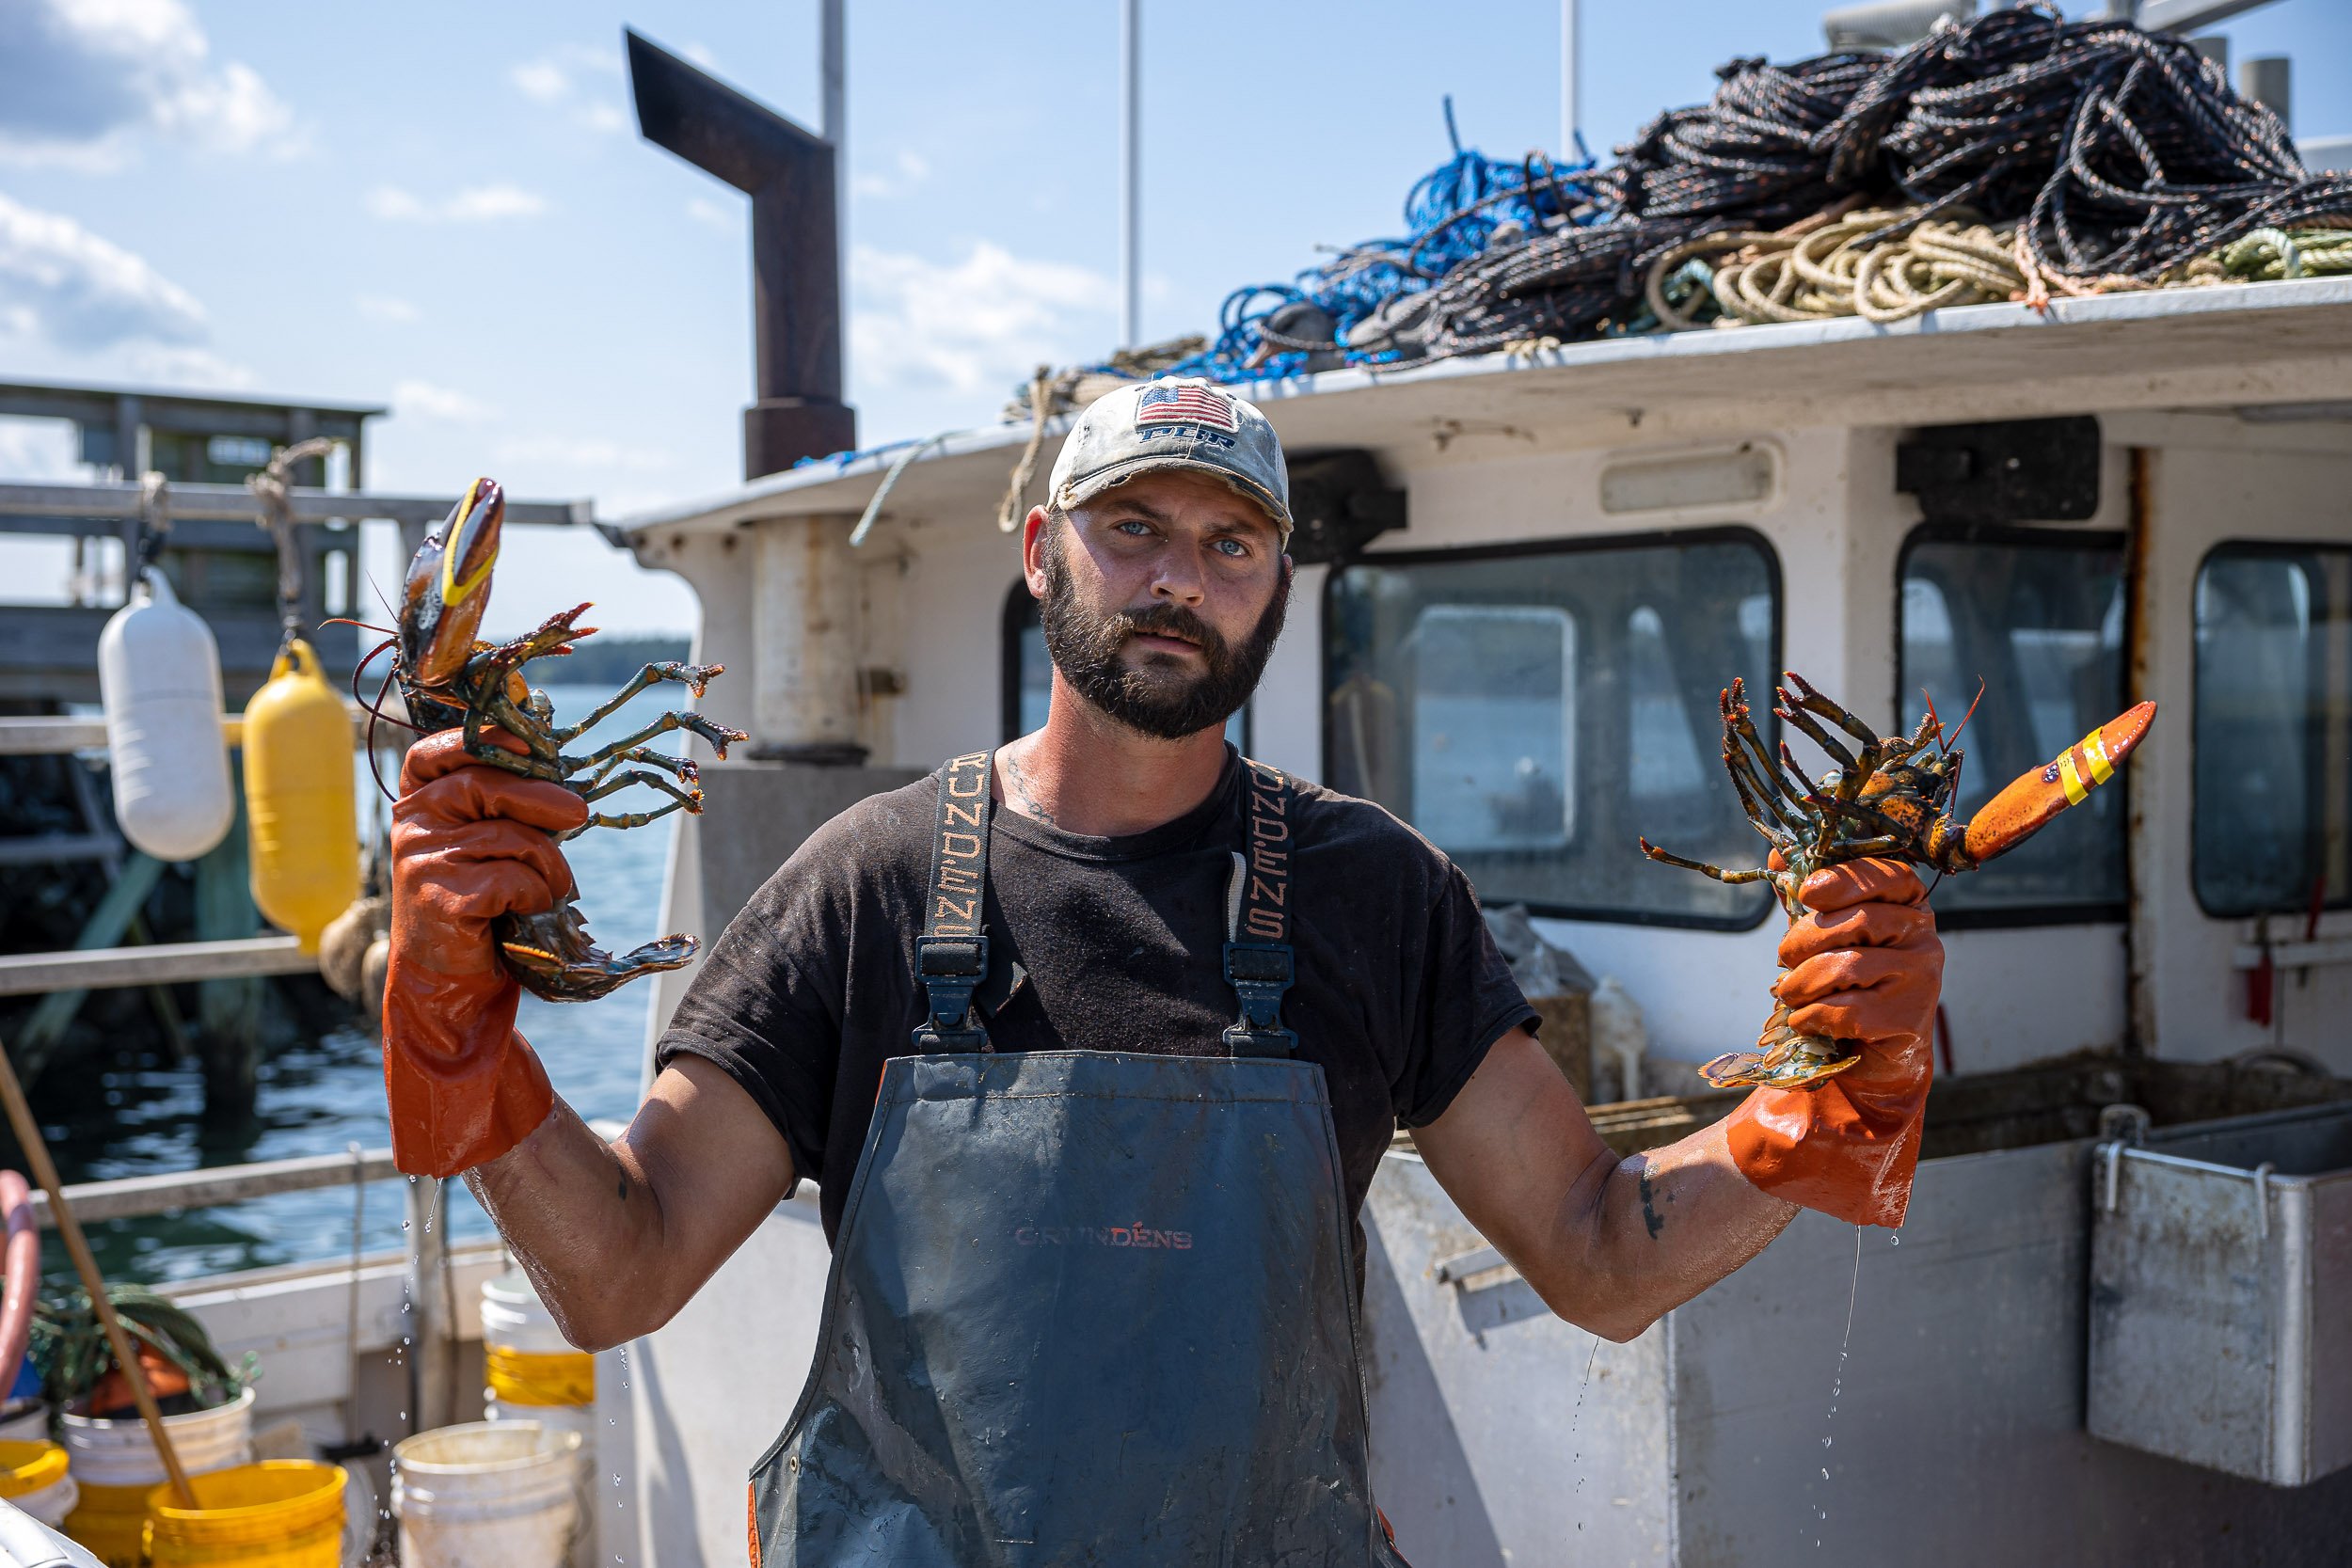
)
(1813, 1146)
(458, 1103)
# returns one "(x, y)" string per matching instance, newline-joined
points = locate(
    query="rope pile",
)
(2009, 158)
(1347, 310)
(2104, 157)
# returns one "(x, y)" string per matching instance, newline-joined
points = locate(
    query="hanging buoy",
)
(298, 798)
(159, 677)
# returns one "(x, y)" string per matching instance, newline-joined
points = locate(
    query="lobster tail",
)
(2033, 799)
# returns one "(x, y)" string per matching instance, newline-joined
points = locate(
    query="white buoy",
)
(159, 675)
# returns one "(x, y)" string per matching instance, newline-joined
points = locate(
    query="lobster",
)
(1888, 798)
(449, 678)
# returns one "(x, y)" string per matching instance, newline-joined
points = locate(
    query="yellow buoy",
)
(305, 839)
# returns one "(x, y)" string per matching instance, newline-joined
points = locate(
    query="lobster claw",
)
(448, 586)
(2033, 799)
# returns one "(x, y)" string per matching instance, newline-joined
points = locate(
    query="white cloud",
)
(40, 448)
(60, 282)
(705, 210)
(907, 170)
(983, 323)
(387, 307)
(581, 82)
(474, 204)
(425, 400)
(79, 79)
(182, 365)
(541, 81)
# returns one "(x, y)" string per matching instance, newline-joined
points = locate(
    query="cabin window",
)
(2271, 821)
(1028, 673)
(2036, 621)
(1534, 710)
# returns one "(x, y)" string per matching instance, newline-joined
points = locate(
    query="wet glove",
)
(1863, 964)
(469, 843)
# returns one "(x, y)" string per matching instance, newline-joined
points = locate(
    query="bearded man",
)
(1094, 1044)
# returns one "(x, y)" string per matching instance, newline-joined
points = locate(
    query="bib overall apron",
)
(1085, 1307)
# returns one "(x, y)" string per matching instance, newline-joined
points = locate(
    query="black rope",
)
(2124, 154)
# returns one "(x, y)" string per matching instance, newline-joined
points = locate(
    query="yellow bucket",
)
(280, 1513)
(111, 1522)
(525, 1377)
(26, 1467)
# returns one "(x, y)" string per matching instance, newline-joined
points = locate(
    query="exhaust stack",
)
(790, 176)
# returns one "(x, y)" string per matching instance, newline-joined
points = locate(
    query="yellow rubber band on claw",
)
(2096, 750)
(2075, 788)
(456, 547)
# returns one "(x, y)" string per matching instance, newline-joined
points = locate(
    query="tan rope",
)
(1011, 511)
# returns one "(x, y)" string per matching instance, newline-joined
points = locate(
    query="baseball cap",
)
(1176, 423)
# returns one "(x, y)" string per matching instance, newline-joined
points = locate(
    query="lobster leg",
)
(682, 768)
(1744, 752)
(611, 783)
(694, 677)
(718, 734)
(1654, 852)
(2033, 799)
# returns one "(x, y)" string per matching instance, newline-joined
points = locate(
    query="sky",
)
(446, 210)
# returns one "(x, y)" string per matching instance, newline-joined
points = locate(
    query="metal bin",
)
(2221, 1295)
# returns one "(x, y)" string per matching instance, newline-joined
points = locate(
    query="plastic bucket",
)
(33, 1477)
(121, 1453)
(486, 1495)
(110, 1521)
(280, 1513)
(26, 1420)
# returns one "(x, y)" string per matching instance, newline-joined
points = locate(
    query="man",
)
(1094, 1044)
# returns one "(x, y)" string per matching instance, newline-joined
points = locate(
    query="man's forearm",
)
(1666, 1224)
(580, 1216)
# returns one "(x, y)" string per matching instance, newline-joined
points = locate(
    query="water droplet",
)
(1825, 1476)
(1894, 1241)
(1827, 1441)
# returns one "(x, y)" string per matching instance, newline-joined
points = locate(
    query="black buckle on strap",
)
(1260, 973)
(951, 969)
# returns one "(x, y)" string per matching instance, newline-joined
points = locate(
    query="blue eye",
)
(1233, 547)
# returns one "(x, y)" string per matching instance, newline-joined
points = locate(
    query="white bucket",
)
(51, 1503)
(121, 1453)
(512, 1316)
(26, 1423)
(486, 1495)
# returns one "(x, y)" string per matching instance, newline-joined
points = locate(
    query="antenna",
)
(1131, 174)
(1568, 126)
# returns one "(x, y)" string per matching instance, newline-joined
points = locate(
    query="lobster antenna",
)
(1965, 717)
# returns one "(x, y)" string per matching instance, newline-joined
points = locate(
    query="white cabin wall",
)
(2207, 487)
(950, 597)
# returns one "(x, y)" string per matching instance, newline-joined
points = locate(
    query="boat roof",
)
(2223, 347)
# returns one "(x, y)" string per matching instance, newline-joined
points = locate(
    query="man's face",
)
(1161, 599)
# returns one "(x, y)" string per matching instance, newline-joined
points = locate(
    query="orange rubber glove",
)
(469, 843)
(1864, 964)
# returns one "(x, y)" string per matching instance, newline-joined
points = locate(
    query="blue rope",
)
(1452, 214)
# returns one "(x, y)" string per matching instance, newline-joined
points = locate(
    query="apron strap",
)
(951, 955)
(1258, 963)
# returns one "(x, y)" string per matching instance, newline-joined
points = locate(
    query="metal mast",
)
(1131, 173)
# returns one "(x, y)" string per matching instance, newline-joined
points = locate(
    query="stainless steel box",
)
(2221, 1295)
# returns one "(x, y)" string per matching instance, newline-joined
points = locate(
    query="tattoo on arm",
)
(1650, 1216)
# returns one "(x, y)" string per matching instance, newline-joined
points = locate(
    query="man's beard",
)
(1154, 698)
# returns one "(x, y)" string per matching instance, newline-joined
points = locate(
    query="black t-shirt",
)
(1101, 945)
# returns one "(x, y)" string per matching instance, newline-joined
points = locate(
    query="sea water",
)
(323, 1094)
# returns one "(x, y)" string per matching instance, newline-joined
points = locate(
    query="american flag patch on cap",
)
(1185, 403)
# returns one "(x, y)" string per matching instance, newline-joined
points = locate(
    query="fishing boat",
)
(2110, 1328)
